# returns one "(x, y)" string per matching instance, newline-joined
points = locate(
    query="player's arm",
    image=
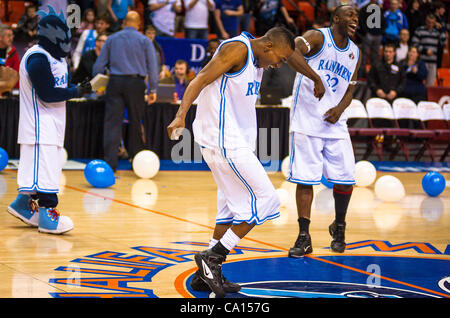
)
(43, 81)
(307, 45)
(333, 114)
(230, 57)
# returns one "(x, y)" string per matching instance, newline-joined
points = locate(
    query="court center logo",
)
(264, 273)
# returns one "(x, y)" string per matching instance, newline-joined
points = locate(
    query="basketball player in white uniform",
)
(225, 128)
(319, 138)
(44, 89)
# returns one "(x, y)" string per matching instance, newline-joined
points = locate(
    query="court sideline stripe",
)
(257, 241)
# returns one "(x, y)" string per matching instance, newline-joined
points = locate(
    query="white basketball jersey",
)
(41, 122)
(335, 67)
(226, 113)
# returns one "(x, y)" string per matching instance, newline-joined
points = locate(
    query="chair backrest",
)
(430, 111)
(432, 115)
(444, 100)
(356, 109)
(379, 108)
(405, 108)
(446, 110)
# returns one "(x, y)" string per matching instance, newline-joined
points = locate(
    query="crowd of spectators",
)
(414, 34)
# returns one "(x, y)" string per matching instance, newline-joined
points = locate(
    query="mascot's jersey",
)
(41, 122)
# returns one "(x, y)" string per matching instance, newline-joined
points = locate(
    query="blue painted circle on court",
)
(384, 277)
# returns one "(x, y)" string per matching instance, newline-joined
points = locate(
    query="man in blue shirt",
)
(130, 56)
(227, 15)
(395, 21)
(118, 10)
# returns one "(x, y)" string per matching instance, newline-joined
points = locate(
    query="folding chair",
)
(433, 118)
(381, 115)
(357, 120)
(443, 76)
(407, 116)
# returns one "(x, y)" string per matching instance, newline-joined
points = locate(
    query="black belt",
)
(128, 76)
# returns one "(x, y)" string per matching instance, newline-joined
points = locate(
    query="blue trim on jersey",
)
(223, 85)
(348, 182)
(334, 43)
(249, 37)
(291, 159)
(321, 49)
(224, 220)
(246, 61)
(256, 220)
(306, 182)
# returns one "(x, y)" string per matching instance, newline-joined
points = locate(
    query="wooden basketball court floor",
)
(137, 239)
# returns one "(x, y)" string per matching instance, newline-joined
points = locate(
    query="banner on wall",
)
(192, 51)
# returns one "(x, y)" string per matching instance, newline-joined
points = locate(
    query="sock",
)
(47, 200)
(341, 200)
(228, 241)
(212, 242)
(304, 224)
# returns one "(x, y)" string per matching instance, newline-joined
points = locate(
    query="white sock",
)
(212, 242)
(229, 240)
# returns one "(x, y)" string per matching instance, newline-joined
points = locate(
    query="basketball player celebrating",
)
(44, 89)
(225, 128)
(319, 138)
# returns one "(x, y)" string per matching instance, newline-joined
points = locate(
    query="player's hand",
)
(319, 89)
(333, 114)
(175, 128)
(151, 98)
(84, 88)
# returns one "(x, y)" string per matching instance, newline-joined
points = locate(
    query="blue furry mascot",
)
(44, 89)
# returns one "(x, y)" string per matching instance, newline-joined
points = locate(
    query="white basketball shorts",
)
(39, 168)
(311, 157)
(244, 191)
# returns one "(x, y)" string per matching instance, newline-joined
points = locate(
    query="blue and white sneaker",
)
(50, 221)
(26, 209)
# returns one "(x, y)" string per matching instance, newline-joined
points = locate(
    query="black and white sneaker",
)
(302, 246)
(337, 232)
(198, 284)
(210, 270)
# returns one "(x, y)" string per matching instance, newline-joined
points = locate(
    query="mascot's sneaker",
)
(26, 209)
(50, 221)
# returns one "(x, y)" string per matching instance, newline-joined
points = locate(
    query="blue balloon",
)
(3, 159)
(326, 183)
(433, 183)
(99, 174)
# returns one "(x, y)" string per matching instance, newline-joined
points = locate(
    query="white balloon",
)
(146, 164)
(283, 194)
(365, 173)
(389, 188)
(285, 166)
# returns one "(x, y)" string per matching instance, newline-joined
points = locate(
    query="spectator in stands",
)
(213, 44)
(371, 35)
(429, 39)
(403, 46)
(416, 72)
(196, 18)
(386, 78)
(181, 77)
(441, 25)
(8, 53)
(87, 22)
(270, 13)
(88, 38)
(395, 21)
(118, 9)
(26, 30)
(415, 16)
(162, 14)
(245, 19)
(150, 32)
(227, 15)
(87, 61)
(8, 79)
